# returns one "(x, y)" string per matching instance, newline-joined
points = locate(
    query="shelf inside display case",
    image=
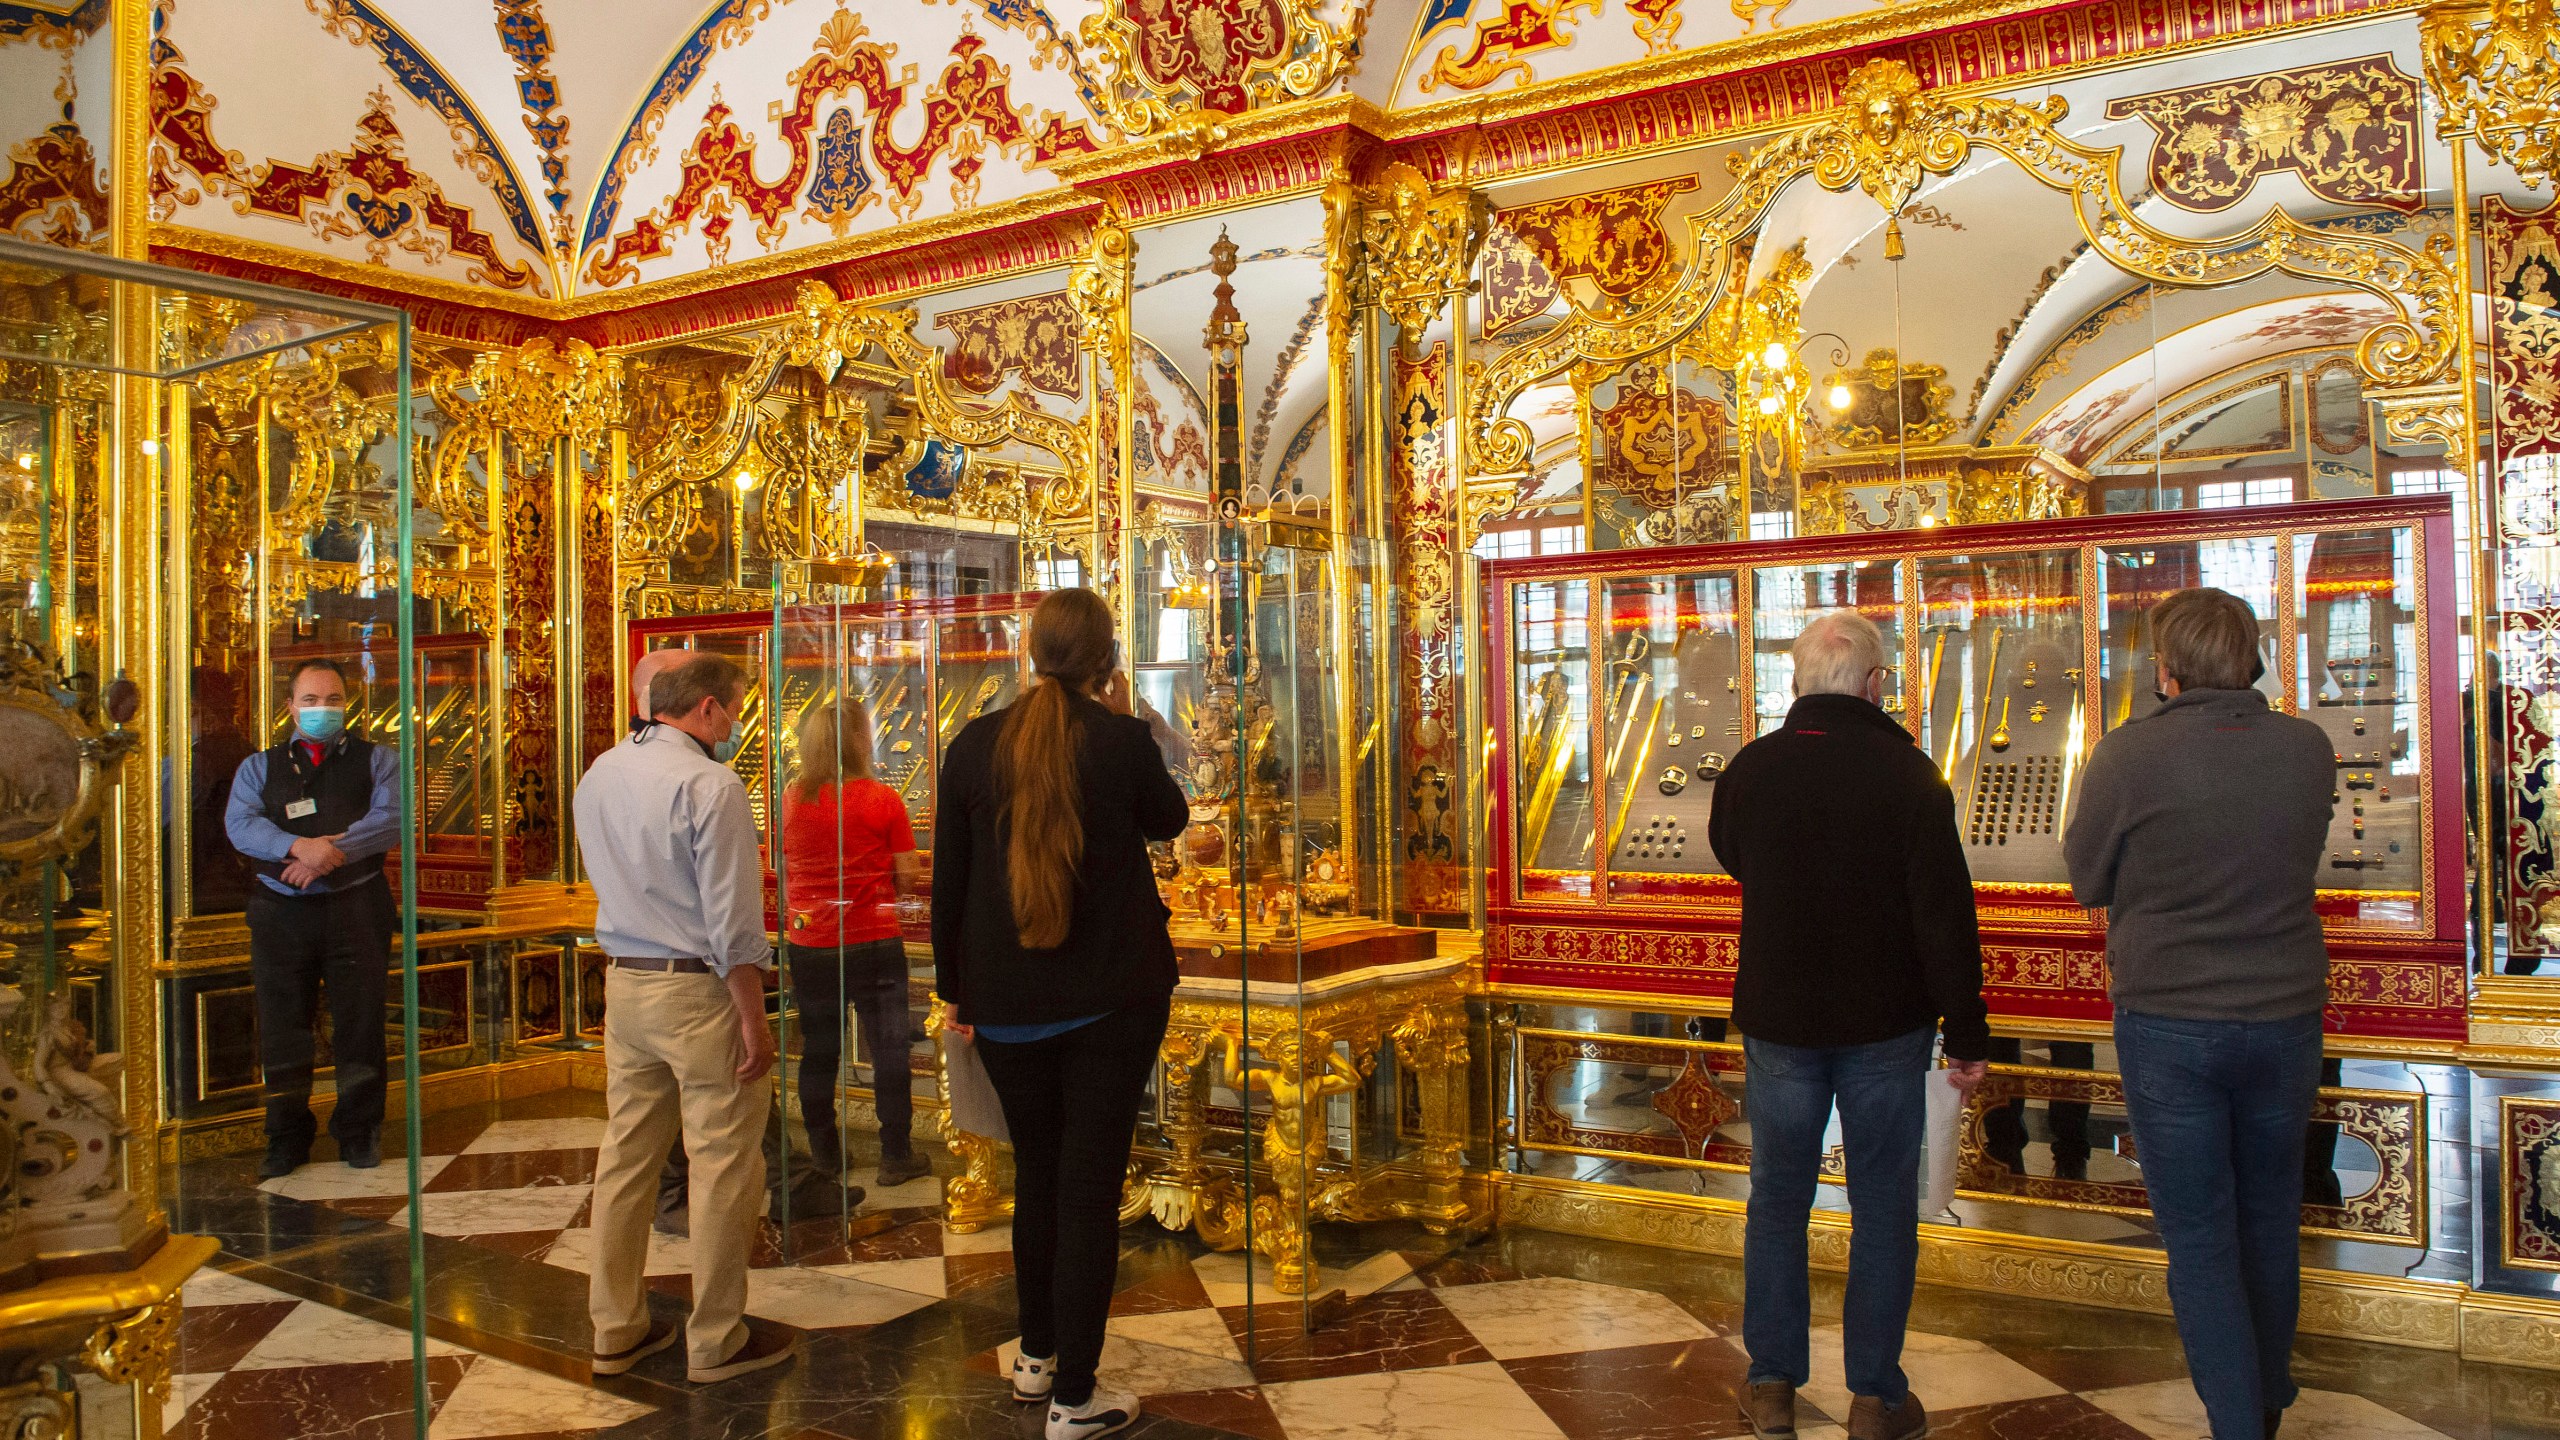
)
(1628, 681)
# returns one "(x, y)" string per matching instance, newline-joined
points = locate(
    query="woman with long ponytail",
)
(1049, 945)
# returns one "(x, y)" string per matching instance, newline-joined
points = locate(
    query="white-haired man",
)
(1858, 946)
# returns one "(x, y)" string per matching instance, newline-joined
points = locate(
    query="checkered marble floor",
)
(907, 1331)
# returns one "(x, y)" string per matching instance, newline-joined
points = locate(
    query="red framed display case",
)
(1624, 679)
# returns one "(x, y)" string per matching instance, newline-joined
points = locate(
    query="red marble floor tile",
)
(1644, 1392)
(970, 1272)
(514, 1170)
(369, 1401)
(1176, 1287)
(912, 1240)
(212, 1338)
(2050, 1417)
(371, 1207)
(1440, 1273)
(1240, 1411)
(2101, 1364)
(1405, 1330)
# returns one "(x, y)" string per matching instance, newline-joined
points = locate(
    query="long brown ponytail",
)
(1071, 651)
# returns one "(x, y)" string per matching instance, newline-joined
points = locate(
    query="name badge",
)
(300, 808)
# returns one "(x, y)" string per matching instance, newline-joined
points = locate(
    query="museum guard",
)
(315, 814)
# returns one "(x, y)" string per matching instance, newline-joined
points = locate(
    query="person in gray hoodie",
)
(2199, 828)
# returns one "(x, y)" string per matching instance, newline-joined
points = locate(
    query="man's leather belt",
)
(681, 965)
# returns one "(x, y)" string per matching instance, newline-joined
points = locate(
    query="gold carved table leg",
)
(1432, 1043)
(975, 1198)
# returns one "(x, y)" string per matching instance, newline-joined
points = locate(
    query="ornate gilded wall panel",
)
(2349, 130)
(1612, 238)
(2529, 1178)
(1423, 521)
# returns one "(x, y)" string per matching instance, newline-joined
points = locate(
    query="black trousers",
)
(1071, 1102)
(2004, 1128)
(871, 976)
(299, 945)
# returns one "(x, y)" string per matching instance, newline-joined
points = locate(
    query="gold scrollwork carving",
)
(2432, 416)
(1884, 139)
(1175, 72)
(2495, 68)
(136, 1347)
(1417, 244)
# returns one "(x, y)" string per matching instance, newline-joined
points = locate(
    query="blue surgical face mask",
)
(727, 750)
(323, 723)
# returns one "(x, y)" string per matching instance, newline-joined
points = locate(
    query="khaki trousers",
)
(671, 1053)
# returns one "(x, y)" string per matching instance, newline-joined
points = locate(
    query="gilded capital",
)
(2496, 71)
(1418, 245)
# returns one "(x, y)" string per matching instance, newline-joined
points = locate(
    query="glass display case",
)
(2015, 648)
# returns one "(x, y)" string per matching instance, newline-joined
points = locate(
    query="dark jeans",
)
(1071, 1102)
(1787, 1093)
(2219, 1111)
(870, 975)
(299, 945)
(2004, 1127)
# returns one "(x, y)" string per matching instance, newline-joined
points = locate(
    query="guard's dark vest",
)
(342, 783)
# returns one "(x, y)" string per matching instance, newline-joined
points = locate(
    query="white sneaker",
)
(1107, 1411)
(1032, 1378)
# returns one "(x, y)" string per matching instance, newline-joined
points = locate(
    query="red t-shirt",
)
(838, 866)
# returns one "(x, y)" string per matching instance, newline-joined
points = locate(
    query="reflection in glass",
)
(2356, 678)
(1551, 676)
(2001, 666)
(1679, 712)
(2137, 578)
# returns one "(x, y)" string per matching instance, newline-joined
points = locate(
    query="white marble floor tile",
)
(314, 1334)
(496, 1398)
(1453, 1402)
(184, 1392)
(1161, 1358)
(499, 1212)
(572, 1133)
(2169, 1410)
(221, 1287)
(994, 1240)
(923, 1276)
(575, 1250)
(105, 1410)
(817, 1300)
(1946, 1373)
(333, 1181)
(1223, 1276)
(1518, 1318)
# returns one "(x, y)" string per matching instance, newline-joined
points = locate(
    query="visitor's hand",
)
(299, 875)
(759, 1049)
(1115, 692)
(319, 853)
(1965, 1074)
(966, 1033)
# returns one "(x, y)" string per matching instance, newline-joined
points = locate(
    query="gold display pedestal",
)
(1294, 1046)
(121, 1326)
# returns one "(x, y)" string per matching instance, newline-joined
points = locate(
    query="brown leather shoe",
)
(1869, 1420)
(1770, 1406)
(760, 1349)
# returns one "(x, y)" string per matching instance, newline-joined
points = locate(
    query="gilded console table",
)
(1294, 1047)
(122, 1326)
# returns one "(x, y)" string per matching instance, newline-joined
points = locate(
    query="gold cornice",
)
(1294, 120)
(330, 267)
(965, 224)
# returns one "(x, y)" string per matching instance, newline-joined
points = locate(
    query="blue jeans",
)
(2219, 1110)
(1787, 1093)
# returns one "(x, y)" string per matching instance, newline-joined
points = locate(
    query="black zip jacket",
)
(1117, 953)
(1857, 908)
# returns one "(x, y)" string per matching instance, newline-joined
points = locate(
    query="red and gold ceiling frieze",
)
(1749, 87)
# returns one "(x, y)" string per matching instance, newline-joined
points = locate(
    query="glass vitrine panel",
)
(2001, 665)
(1680, 703)
(1787, 598)
(2357, 675)
(2138, 577)
(1551, 683)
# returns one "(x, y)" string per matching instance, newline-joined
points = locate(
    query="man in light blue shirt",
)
(314, 815)
(671, 849)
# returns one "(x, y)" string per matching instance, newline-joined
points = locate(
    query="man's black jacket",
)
(1857, 909)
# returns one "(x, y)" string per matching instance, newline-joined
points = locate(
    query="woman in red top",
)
(848, 853)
